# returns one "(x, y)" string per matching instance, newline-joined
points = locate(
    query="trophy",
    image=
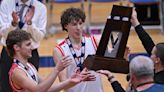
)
(116, 34)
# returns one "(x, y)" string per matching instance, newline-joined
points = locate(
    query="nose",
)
(31, 47)
(78, 26)
(151, 56)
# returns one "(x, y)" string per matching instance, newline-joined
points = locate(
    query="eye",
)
(80, 22)
(74, 24)
(28, 44)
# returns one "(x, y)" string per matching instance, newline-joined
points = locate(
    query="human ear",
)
(157, 60)
(16, 47)
(65, 26)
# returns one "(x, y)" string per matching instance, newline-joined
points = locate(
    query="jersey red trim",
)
(15, 89)
(60, 44)
(61, 50)
(94, 42)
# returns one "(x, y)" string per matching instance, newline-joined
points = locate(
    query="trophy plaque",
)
(116, 34)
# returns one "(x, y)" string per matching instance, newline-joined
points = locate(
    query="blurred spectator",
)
(29, 15)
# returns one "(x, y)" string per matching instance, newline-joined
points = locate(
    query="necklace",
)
(78, 59)
(29, 71)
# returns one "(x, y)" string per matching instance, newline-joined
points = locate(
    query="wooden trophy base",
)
(106, 63)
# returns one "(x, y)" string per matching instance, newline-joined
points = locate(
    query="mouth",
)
(77, 33)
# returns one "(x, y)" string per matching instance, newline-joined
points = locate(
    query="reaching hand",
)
(66, 60)
(134, 19)
(109, 75)
(85, 75)
(15, 17)
(105, 72)
(126, 53)
(30, 14)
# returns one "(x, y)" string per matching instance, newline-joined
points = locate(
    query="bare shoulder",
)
(20, 79)
(57, 55)
(18, 76)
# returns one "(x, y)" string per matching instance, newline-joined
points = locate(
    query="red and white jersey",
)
(90, 49)
(30, 67)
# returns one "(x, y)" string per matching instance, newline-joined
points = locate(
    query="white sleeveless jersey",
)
(14, 66)
(90, 49)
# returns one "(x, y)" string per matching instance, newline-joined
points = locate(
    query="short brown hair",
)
(16, 37)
